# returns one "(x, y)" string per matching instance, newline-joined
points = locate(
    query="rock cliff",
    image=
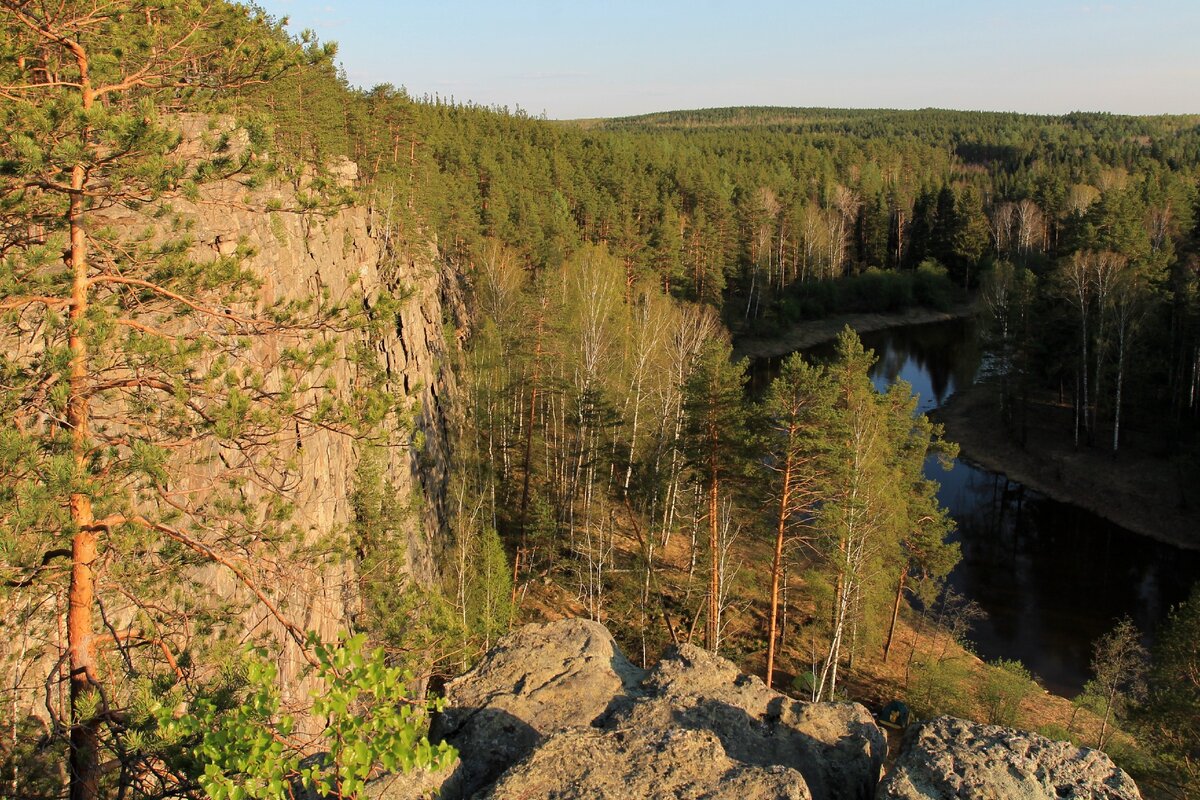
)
(557, 711)
(352, 256)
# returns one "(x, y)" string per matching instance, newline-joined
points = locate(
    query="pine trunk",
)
(777, 568)
(84, 762)
(714, 600)
(887, 648)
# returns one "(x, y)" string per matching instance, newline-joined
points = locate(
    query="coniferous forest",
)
(607, 457)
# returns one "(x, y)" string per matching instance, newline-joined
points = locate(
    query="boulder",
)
(643, 763)
(952, 758)
(535, 682)
(837, 747)
(582, 721)
(419, 784)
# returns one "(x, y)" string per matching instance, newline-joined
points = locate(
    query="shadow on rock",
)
(492, 741)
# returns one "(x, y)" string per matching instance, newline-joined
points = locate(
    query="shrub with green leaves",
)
(1006, 683)
(252, 752)
(938, 687)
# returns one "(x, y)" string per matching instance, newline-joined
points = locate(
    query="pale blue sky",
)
(590, 58)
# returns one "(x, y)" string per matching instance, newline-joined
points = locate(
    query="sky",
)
(572, 59)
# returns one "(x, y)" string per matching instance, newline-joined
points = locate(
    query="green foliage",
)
(489, 592)
(251, 749)
(1055, 732)
(29, 760)
(415, 625)
(1092, 698)
(1005, 685)
(939, 686)
(932, 287)
(719, 438)
(872, 291)
(1169, 721)
(373, 720)
(1119, 663)
(805, 684)
(242, 751)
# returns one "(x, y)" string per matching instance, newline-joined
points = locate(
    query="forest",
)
(609, 460)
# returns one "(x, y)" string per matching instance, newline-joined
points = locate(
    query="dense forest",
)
(609, 461)
(606, 437)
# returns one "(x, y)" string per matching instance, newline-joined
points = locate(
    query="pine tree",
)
(924, 551)
(718, 439)
(133, 366)
(797, 411)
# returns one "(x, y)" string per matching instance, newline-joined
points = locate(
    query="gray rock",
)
(535, 682)
(584, 764)
(837, 747)
(419, 784)
(582, 721)
(953, 758)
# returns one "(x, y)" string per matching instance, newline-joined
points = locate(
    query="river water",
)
(1051, 577)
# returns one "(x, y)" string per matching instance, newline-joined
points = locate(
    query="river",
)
(1050, 577)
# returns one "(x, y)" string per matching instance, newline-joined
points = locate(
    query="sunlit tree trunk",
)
(887, 647)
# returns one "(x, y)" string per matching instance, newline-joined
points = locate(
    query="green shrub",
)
(250, 751)
(1055, 731)
(938, 687)
(932, 286)
(1005, 685)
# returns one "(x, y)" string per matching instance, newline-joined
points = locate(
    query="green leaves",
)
(251, 750)
(1006, 683)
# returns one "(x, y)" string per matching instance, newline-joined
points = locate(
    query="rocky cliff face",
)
(352, 256)
(557, 711)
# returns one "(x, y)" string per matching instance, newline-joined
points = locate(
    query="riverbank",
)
(812, 332)
(1136, 491)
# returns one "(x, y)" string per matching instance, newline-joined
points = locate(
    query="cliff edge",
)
(557, 711)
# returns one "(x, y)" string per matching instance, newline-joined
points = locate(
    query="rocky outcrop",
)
(837, 747)
(951, 758)
(351, 255)
(536, 682)
(671, 762)
(557, 711)
(354, 256)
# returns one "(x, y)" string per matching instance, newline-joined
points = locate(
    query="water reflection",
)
(1051, 577)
